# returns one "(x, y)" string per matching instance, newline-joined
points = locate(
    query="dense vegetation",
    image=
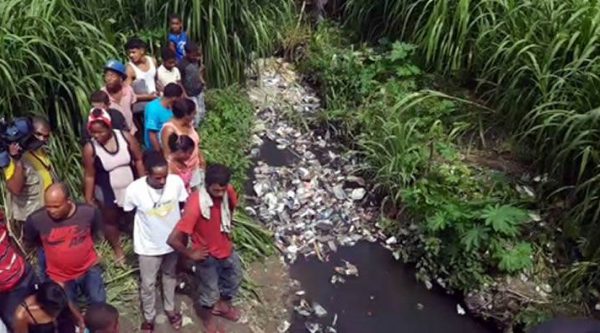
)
(52, 58)
(531, 69)
(461, 223)
(536, 63)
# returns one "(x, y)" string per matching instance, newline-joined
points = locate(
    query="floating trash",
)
(460, 310)
(319, 310)
(283, 327)
(310, 205)
(313, 327)
(348, 269)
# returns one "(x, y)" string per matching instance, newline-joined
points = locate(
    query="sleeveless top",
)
(63, 324)
(114, 171)
(190, 171)
(145, 82)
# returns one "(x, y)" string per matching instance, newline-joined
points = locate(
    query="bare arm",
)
(130, 75)
(164, 137)
(136, 151)
(178, 241)
(78, 317)
(17, 181)
(89, 174)
(21, 325)
(153, 135)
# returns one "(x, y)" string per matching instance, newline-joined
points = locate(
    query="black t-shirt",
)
(116, 118)
(190, 77)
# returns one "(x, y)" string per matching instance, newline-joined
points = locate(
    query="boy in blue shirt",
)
(157, 113)
(177, 36)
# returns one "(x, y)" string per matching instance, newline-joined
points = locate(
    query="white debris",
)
(391, 240)
(358, 194)
(348, 269)
(460, 310)
(319, 310)
(310, 203)
(312, 327)
(283, 327)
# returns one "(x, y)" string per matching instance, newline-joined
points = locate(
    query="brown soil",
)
(263, 312)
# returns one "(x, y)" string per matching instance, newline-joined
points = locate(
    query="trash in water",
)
(348, 269)
(283, 327)
(391, 240)
(304, 309)
(420, 306)
(312, 327)
(311, 206)
(337, 279)
(319, 310)
(460, 310)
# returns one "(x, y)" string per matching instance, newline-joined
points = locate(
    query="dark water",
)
(384, 298)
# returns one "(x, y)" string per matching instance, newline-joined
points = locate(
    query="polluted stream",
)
(304, 189)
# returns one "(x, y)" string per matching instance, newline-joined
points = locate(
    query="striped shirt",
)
(12, 265)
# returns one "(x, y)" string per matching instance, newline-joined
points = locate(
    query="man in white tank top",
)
(141, 73)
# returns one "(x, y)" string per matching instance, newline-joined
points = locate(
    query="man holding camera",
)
(29, 172)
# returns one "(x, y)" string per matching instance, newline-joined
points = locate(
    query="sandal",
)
(176, 320)
(147, 327)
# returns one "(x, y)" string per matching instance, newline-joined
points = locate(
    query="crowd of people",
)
(143, 167)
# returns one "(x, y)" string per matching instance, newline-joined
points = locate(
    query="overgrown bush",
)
(537, 62)
(459, 222)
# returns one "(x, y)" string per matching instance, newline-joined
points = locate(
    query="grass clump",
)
(538, 64)
(460, 223)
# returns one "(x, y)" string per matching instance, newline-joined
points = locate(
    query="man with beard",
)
(157, 200)
(29, 173)
(122, 97)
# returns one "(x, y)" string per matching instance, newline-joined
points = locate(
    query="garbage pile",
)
(314, 204)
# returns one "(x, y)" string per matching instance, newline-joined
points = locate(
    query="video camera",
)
(19, 130)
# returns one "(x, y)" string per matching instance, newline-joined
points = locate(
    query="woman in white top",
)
(141, 73)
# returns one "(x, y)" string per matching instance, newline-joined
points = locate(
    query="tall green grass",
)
(231, 32)
(53, 51)
(536, 62)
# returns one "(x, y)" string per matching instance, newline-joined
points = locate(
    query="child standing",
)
(192, 78)
(177, 36)
(168, 71)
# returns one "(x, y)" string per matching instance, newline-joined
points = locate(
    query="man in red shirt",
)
(207, 218)
(66, 230)
(17, 279)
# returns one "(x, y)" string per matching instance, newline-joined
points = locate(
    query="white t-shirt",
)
(156, 215)
(166, 76)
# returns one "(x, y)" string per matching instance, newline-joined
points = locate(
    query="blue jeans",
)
(90, 284)
(9, 301)
(218, 279)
